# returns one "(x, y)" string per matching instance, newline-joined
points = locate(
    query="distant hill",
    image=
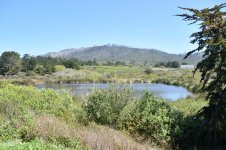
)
(125, 54)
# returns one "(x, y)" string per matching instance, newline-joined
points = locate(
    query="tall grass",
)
(44, 119)
(107, 119)
(20, 107)
(115, 74)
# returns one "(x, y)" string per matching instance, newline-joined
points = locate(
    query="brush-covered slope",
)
(125, 54)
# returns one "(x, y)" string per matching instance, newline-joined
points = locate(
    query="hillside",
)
(122, 53)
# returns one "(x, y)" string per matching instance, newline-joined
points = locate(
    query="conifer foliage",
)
(211, 40)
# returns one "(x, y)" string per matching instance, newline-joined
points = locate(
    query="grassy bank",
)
(106, 119)
(114, 74)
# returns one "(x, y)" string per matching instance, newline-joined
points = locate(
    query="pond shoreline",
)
(164, 91)
(33, 82)
(112, 74)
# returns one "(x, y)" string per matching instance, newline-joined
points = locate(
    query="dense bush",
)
(189, 106)
(104, 106)
(38, 101)
(149, 117)
(19, 105)
(185, 127)
(148, 71)
(9, 63)
(38, 145)
(119, 63)
(12, 64)
(169, 64)
(29, 114)
(72, 63)
(59, 68)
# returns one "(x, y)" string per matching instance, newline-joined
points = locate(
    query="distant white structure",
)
(187, 66)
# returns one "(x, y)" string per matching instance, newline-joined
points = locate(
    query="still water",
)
(170, 92)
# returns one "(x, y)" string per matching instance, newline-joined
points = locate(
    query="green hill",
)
(125, 54)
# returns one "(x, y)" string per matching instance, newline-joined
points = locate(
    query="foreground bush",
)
(59, 68)
(189, 106)
(28, 114)
(185, 128)
(19, 105)
(104, 106)
(22, 99)
(149, 118)
(36, 145)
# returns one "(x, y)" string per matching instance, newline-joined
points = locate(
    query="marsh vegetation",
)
(113, 118)
(45, 118)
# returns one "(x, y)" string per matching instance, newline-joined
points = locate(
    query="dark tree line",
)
(169, 64)
(11, 63)
(117, 63)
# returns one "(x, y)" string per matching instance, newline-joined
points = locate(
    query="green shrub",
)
(104, 106)
(38, 145)
(185, 131)
(30, 73)
(19, 105)
(148, 71)
(149, 117)
(185, 127)
(189, 106)
(70, 143)
(168, 123)
(59, 67)
(39, 101)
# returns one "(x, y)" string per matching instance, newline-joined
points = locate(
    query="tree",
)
(40, 69)
(9, 63)
(211, 39)
(169, 64)
(28, 63)
(72, 63)
(118, 63)
(89, 63)
(175, 64)
(95, 61)
(161, 64)
(148, 71)
(109, 63)
(184, 63)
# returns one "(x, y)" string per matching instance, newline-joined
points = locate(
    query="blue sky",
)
(40, 26)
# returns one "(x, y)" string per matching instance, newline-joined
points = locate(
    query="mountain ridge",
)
(122, 53)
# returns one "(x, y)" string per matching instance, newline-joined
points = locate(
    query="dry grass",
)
(98, 138)
(50, 126)
(104, 138)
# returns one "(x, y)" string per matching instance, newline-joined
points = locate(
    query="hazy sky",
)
(40, 26)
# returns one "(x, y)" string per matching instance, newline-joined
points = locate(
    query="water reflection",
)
(160, 90)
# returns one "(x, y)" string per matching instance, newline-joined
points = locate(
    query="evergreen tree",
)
(175, 64)
(28, 63)
(10, 63)
(211, 39)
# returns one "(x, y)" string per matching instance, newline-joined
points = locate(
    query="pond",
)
(170, 92)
